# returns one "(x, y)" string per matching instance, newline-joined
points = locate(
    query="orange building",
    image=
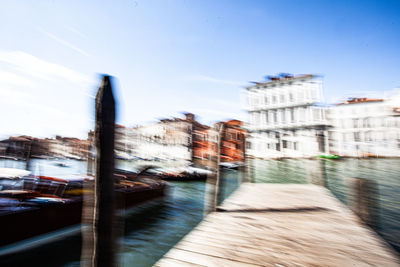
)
(204, 143)
(233, 141)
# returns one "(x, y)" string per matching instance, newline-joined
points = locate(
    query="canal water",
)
(150, 232)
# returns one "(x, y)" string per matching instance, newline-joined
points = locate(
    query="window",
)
(277, 147)
(316, 114)
(357, 136)
(299, 96)
(274, 99)
(292, 115)
(282, 98)
(255, 101)
(291, 98)
(284, 144)
(355, 123)
(256, 118)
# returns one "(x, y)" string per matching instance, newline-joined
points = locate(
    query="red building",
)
(233, 141)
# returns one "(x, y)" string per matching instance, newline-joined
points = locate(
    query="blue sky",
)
(173, 56)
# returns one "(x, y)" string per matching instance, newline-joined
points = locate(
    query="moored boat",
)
(329, 156)
(231, 165)
(187, 173)
(40, 205)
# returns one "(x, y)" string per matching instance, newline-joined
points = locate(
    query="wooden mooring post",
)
(28, 156)
(99, 244)
(364, 200)
(212, 190)
(316, 172)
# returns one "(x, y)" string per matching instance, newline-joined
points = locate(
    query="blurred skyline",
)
(174, 56)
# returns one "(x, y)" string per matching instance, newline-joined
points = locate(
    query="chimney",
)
(189, 117)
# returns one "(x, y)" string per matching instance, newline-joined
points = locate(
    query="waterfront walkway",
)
(281, 225)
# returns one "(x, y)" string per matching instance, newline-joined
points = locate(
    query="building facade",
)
(232, 146)
(233, 141)
(364, 127)
(169, 139)
(286, 119)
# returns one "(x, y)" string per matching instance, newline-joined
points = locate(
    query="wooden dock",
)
(281, 225)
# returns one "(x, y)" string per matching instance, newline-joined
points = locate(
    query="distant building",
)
(124, 142)
(181, 139)
(364, 127)
(233, 141)
(68, 147)
(17, 146)
(27, 146)
(204, 143)
(285, 118)
(168, 139)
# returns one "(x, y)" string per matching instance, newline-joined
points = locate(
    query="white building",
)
(365, 127)
(124, 142)
(285, 118)
(168, 139)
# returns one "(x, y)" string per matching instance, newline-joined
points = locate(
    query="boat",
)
(40, 205)
(231, 165)
(61, 164)
(328, 156)
(11, 173)
(180, 174)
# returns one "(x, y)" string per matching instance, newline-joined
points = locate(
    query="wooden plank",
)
(204, 259)
(229, 252)
(309, 227)
(168, 262)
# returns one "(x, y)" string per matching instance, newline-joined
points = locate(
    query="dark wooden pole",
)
(213, 180)
(364, 200)
(28, 156)
(90, 154)
(99, 239)
(220, 129)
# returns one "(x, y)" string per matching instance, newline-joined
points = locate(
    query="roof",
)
(275, 80)
(356, 100)
(195, 123)
(234, 122)
(20, 138)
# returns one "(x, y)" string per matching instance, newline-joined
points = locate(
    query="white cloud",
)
(74, 30)
(63, 42)
(11, 96)
(34, 93)
(13, 79)
(204, 78)
(39, 68)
